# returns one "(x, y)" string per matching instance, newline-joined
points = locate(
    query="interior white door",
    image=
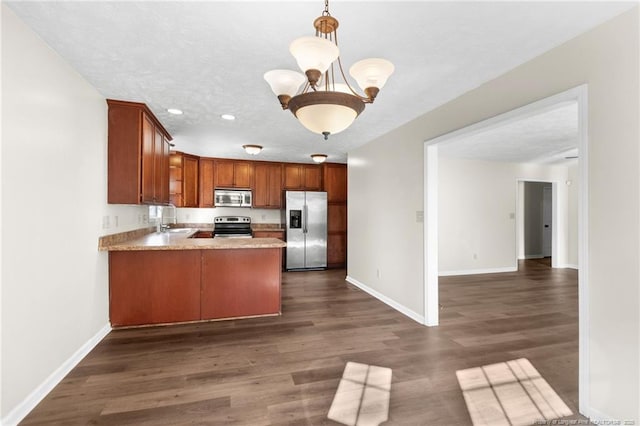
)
(547, 220)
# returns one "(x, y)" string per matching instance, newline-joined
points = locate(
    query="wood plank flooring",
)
(285, 370)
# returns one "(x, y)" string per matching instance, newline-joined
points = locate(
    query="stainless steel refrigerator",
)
(306, 219)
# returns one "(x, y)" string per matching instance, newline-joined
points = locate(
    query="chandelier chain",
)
(326, 8)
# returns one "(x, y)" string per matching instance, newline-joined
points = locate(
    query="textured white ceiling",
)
(544, 138)
(208, 58)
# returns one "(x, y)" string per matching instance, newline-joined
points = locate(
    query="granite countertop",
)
(179, 240)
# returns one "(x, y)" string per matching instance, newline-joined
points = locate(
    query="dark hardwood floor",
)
(285, 370)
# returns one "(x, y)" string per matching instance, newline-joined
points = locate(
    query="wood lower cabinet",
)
(238, 283)
(138, 155)
(267, 185)
(154, 287)
(169, 286)
(269, 234)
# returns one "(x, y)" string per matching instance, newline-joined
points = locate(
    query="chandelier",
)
(324, 106)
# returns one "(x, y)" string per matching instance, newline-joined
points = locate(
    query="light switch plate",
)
(420, 216)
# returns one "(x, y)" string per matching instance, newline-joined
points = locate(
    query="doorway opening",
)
(576, 95)
(537, 235)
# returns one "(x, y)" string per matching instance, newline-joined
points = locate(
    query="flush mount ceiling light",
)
(323, 106)
(174, 111)
(229, 117)
(252, 149)
(319, 158)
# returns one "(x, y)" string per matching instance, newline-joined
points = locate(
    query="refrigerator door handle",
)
(306, 216)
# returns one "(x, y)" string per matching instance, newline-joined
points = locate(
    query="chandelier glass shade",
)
(315, 99)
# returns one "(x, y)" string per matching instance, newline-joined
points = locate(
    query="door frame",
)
(557, 260)
(578, 94)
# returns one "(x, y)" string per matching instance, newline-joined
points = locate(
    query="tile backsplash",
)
(203, 215)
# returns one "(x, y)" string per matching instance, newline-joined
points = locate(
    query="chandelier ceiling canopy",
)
(322, 105)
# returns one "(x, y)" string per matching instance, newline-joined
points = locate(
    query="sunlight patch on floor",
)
(362, 398)
(509, 393)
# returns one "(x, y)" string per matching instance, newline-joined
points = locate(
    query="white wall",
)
(477, 213)
(54, 280)
(607, 59)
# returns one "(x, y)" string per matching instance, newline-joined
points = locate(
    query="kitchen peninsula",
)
(168, 277)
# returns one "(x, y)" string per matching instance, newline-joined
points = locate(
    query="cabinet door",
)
(336, 250)
(312, 178)
(148, 161)
(292, 176)
(154, 287)
(337, 218)
(206, 182)
(224, 174)
(190, 181)
(275, 186)
(242, 174)
(335, 182)
(238, 283)
(261, 185)
(269, 234)
(175, 179)
(162, 170)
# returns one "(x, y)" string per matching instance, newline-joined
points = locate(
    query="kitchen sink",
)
(179, 230)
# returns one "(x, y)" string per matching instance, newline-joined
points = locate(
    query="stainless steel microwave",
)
(232, 197)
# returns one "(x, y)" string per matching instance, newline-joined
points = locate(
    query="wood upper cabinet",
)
(138, 155)
(335, 182)
(205, 187)
(183, 179)
(267, 185)
(190, 181)
(303, 177)
(233, 174)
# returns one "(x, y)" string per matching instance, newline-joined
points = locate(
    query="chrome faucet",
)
(162, 226)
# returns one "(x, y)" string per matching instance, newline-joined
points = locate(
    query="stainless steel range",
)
(232, 227)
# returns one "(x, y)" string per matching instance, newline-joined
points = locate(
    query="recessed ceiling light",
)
(228, 117)
(174, 111)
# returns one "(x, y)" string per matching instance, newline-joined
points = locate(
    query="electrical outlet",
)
(115, 220)
(378, 273)
(145, 218)
(139, 218)
(512, 215)
(105, 222)
(475, 256)
(420, 216)
(187, 216)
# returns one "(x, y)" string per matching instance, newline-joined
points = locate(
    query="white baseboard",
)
(478, 271)
(568, 265)
(534, 256)
(384, 299)
(29, 403)
(601, 418)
